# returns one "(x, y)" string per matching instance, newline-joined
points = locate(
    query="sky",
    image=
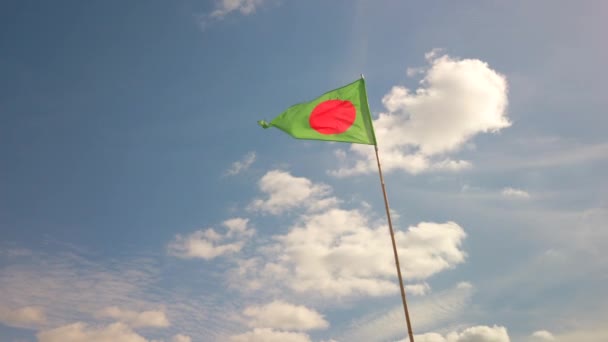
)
(140, 202)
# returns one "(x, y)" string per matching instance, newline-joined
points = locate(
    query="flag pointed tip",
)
(263, 123)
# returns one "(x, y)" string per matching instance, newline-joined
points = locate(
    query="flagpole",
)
(390, 227)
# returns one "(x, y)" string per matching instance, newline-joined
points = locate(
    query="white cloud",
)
(428, 337)
(81, 332)
(515, 193)
(181, 338)
(284, 192)
(542, 335)
(284, 316)
(245, 7)
(196, 245)
(336, 253)
(458, 99)
(480, 333)
(208, 244)
(24, 317)
(224, 8)
(241, 165)
(269, 335)
(151, 318)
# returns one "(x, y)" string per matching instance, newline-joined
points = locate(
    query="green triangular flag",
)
(339, 115)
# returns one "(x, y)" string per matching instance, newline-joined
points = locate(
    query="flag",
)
(339, 115)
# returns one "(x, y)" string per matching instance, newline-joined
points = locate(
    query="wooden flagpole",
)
(390, 227)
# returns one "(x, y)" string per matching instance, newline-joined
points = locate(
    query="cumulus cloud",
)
(542, 335)
(151, 318)
(269, 335)
(337, 252)
(284, 192)
(515, 193)
(24, 317)
(81, 332)
(241, 165)
(208, 244)
(284, 316)
(457, 99)
(480, 333)
(429, 337)
(181, 338)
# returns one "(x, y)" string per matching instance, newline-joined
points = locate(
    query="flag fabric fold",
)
(339, 115)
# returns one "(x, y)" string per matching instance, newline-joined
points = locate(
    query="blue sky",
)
(139, 201)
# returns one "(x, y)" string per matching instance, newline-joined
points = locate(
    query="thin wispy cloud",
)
(431, 311)
(479, 333)
(224, 8)
(515, 193)
(244, 7)
(270, 335)
(599, 332)
(81, 332)
(134, 319)
(241, 165)
(66, 295)
(72, 282)
(544, 156)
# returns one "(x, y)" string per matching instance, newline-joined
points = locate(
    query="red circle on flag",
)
(333, 116)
